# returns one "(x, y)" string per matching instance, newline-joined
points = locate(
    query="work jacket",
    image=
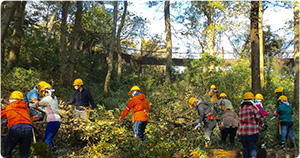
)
(229, 119)
(51, 107)
(140, 106)
(32, 96)
(249, 118)
(16, 112)
(205, 113)
(83, 98)
(285, 112)
(214, 96)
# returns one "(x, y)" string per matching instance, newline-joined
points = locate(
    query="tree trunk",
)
(296, 52)
(111, 51)
(211, 32)
(52, 22)
(169, 42)
(261, 46)
(74, 42)
(17, 35)
(254, 38)
(119, 41)
(63, 43)
(8, 9)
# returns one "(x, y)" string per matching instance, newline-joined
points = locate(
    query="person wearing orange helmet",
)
(140, 107)
(206, 116)
(285, 112)
(49, 103)
(82, 98)
(214, 95)
(19, 126)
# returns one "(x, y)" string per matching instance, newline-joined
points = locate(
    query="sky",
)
(275, 17)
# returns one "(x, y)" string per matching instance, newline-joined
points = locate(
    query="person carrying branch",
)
(50, 104)
(285, 112)
(250, 119)
(206, 116)
(19, 126)
(140, 107)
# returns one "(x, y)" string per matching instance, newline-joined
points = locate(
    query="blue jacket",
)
(32, 96)
(83, 98)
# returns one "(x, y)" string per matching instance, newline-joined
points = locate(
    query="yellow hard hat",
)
(223, 95)
(228, 108)
(283, 97)
(134, 88)
(41, 83)
(192, 100)
(248, 95)
(78, 82)
(16, 95)
(212, 86)
(44, 86)
(277, 90)
(259, 96)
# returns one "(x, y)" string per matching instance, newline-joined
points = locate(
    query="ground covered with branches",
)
(170, 131)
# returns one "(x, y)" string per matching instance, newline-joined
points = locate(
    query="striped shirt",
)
(249, 119)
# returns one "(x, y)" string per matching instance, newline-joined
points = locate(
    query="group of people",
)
(249, 122)
(21, 111)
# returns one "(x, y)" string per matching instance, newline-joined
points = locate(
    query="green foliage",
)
(41, 150)
(18, 79)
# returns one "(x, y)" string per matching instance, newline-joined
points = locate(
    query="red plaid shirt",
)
(249, 119)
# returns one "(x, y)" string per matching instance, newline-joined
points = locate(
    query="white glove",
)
(32, 105)
(198, 125)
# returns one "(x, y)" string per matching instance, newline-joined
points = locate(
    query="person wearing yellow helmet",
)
(82, 98)
(258, 103)
(206, 116)
(31, 98)
(214, 95)
(229, 122)
(19, 126)
(285, 112)
(278, 92)
(49, 104)
(224, 102)
(249, 119)
(140, 107)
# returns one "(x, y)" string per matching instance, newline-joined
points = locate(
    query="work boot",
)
(293, 144)
(282, 144)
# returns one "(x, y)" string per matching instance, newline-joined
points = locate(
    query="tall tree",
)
(296, 51)
(74, 41)
(254, 38)
(17, 35)
(119, 41)
(111, 51)
(8, 9)
(261, 45)
(169, 42)
(63, 43)
(52, 21)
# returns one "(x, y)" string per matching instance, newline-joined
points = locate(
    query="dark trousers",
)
(51, 130)
(21, 136)
(139, 129)
(228, 131)
(249, 145)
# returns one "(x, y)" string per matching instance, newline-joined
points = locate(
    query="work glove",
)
(198, 125)
(32, 105)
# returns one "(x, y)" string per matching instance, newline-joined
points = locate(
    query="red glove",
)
(35, 118)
